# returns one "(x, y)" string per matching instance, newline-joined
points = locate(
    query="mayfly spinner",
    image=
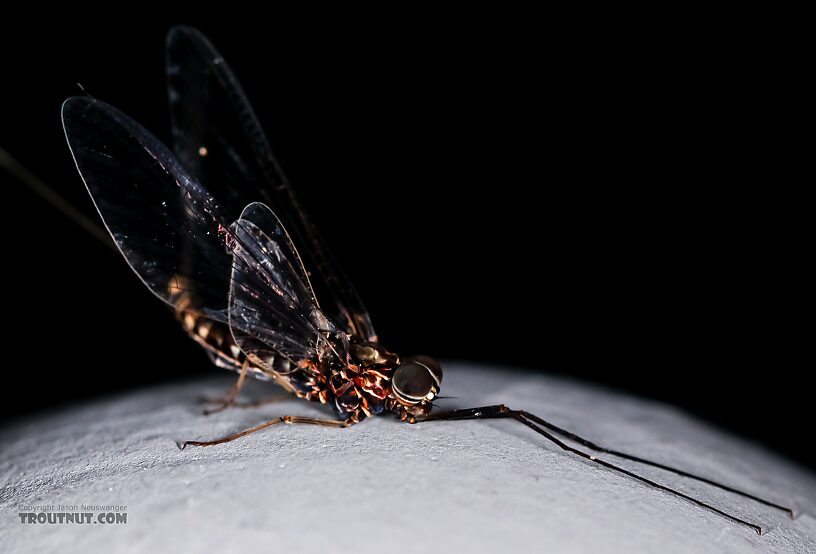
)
(216, 231)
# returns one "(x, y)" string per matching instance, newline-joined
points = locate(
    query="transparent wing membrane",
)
(179, 241)
(167, 226)
(271, 310)
(219, 139)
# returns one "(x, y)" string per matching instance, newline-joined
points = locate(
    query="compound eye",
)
(412, 382)
(432, 365)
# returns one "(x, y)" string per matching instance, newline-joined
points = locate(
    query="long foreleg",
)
(539, 426)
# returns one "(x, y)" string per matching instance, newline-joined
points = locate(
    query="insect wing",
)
(219, 139)
(168, 227)
(175, 235)
(271, 310)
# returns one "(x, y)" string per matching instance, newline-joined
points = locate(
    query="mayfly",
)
(215, 230)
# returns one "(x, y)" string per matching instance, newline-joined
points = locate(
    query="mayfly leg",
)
(289, 420)
(538, 425)
(229, 399)
(271, 399)
(591, 445)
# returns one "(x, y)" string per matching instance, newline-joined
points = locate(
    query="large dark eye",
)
(415, 378)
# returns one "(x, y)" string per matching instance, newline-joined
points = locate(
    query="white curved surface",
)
(466, 486)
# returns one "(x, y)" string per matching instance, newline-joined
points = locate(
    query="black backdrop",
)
(589, 205)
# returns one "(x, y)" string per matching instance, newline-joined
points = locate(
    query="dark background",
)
(602, 205)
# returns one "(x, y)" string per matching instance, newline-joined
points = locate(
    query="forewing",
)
(175, 235)
(272, 311)
(219, 139)
(168, 227)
